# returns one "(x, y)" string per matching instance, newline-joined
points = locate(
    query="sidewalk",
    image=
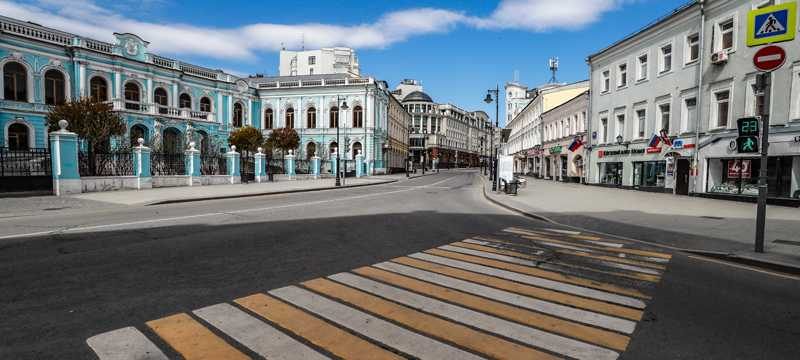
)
(689, 223)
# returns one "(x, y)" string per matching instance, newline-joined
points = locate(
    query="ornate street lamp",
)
(496, 100)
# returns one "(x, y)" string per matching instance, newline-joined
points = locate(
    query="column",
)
(334, 162)
(315, 166)
(261, 165)
(64, 161)
(289, 165)
(192, 164)
(141, 166)
(359, 164)
(234, 161)
(149, 96)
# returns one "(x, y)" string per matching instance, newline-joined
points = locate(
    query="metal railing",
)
(167, 164)
(213, 165)
(105, 164)
(31, 162)
(302, 166)
(276, 166)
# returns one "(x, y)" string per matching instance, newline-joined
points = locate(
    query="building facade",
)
(563, 133)
(517, 97)
(337, 60)
(398, 122)
(665, 101)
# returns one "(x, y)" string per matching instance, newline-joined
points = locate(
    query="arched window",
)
(238, 115)
(160, 97)
(268, 123)
(185, 101)
(333, 117)
(358, 117)
(290, 118)
(54, 92)
(333, 147)
(138, 131)
(311, 150)
(98, 89)
(15, 82)
(172, 141)
(132, 96)
(357, 149)
(18, 137)
(311, 118)
(205, 104)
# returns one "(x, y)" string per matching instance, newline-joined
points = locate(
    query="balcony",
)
(163, 111)
(314, 83)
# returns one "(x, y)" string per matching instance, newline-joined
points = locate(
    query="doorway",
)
(682, 177)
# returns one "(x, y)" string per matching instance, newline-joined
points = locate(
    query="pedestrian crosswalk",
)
(516, 294)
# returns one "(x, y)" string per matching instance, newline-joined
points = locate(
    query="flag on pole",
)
(576, 144)
(665, 138)
(654, 141)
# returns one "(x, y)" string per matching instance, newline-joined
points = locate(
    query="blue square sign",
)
(772, 24)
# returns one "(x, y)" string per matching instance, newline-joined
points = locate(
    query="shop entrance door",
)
(682, 177)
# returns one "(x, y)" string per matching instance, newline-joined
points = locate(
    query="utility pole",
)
(763, 83)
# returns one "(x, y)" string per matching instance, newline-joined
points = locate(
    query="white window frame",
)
(639, 126)
(617, 129)
(660, 116)
(760, 4)
(620, 85)
(718, 32)
(639, 75)
(714, 107)
(602, 133)
(605, 77)
(661, 63)
(685, 126)
(687, 53)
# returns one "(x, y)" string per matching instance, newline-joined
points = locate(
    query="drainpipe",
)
(702, 53)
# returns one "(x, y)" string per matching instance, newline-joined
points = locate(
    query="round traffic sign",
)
(769, 58)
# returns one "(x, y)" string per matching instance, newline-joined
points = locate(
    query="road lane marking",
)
(546, 307)
(124, 344)
(527, 267)
(454, 332)
(538, 237)
(370, 326)
(532, 280)
(192, 340)
(613, 259)
(255, 334)
(524, 289)
(528, 335)
(559, 231)
(483, 246)
(318, 332)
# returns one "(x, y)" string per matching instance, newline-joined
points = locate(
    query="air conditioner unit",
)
(719, 57)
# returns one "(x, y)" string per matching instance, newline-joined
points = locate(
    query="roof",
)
(418, 96)
(260, 79)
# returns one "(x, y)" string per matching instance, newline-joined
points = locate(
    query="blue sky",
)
(457, 49)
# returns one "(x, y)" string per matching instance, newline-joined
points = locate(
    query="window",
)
(756, 101)
(664, 110)
(185, 101)
(98, 89)
(604, 130)
(722, 107)
(689, 114)
(268, 122)
(18, 137)
(333, 117)
(238, 115)
(725, 30)
(622, 75)
(606, 81)
(666, 59)
(358, 117)
(312, 60)
(132, 96)
(310, 71)
(641, 116)
(160, 98)
(289, 118)
(15, 82)
(311, 118)
(692, 48)
(205, 104)
(621, 125)
(54, 93)
(642, 69)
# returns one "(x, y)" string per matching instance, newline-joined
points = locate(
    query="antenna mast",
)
(553, 63)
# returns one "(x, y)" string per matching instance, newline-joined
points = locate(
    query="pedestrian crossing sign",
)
(772, 24)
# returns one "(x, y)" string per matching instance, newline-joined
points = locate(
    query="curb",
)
(221, 197)
(729, 257)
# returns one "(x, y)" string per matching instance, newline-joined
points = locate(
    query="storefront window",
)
(740, 176)
(611, 173)
(649, 173)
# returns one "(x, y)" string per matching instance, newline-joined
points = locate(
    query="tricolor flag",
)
(654, 141)
(665, 138)
(576, 144)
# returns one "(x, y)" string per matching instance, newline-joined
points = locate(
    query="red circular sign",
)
(769, 58)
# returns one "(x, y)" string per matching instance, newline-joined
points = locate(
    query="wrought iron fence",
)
(276, 166)
(105, 164)
(302, 166)
(167, 164)
(31, 162)
(213, 165)
(326, 167)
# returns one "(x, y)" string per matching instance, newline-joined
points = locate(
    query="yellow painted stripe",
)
(612, 259)
(629, 275)
(480, 342)
(515, 254)
(316, 331)
(586, 237)
(602, 248)
(192, 340)
(540, 273)
(527, 290)
(545, 322)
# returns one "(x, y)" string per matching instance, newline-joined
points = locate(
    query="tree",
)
(93, 122)
(283, 139)
(246, 139)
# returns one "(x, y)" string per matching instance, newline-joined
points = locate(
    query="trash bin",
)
(512, 187)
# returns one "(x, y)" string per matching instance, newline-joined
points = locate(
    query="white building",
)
(693, 85)
(337, 60)
(517, 97)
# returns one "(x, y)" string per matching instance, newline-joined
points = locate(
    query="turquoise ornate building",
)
(169, 103)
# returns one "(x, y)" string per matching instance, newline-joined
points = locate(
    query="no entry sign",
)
(769, 58)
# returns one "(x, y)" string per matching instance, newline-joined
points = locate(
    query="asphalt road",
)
(90, 271)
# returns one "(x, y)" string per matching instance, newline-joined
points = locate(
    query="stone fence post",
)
(289, 164)
(234, 162)
(359, 164)
(64, 161)
(141, 166)
(315, 166)
(261, 161)
(193, 164)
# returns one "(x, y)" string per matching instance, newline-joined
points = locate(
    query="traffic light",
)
(747, 144)
(748, 139)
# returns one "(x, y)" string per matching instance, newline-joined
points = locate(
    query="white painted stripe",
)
(603, 243)
(576, 248)
(124, 344)
(631, 268)
(534, 280)
(570, 232)
(499, 246)
(375, 328)
(770, 57)
(255, 334)
(658, 260)
(488, 255)
(525, 334)
(566, 312)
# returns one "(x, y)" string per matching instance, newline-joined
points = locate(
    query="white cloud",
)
(85, 17)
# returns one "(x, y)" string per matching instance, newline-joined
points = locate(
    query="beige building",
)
(397, 147)
(562, 126)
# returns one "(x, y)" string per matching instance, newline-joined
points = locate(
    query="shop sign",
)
(555, 149)
(603, 153)
(739, 169)
(670, 165)
(653, 150)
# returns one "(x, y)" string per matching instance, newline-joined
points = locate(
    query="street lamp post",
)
(424, 149)
(496, 100)
(338, 161)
